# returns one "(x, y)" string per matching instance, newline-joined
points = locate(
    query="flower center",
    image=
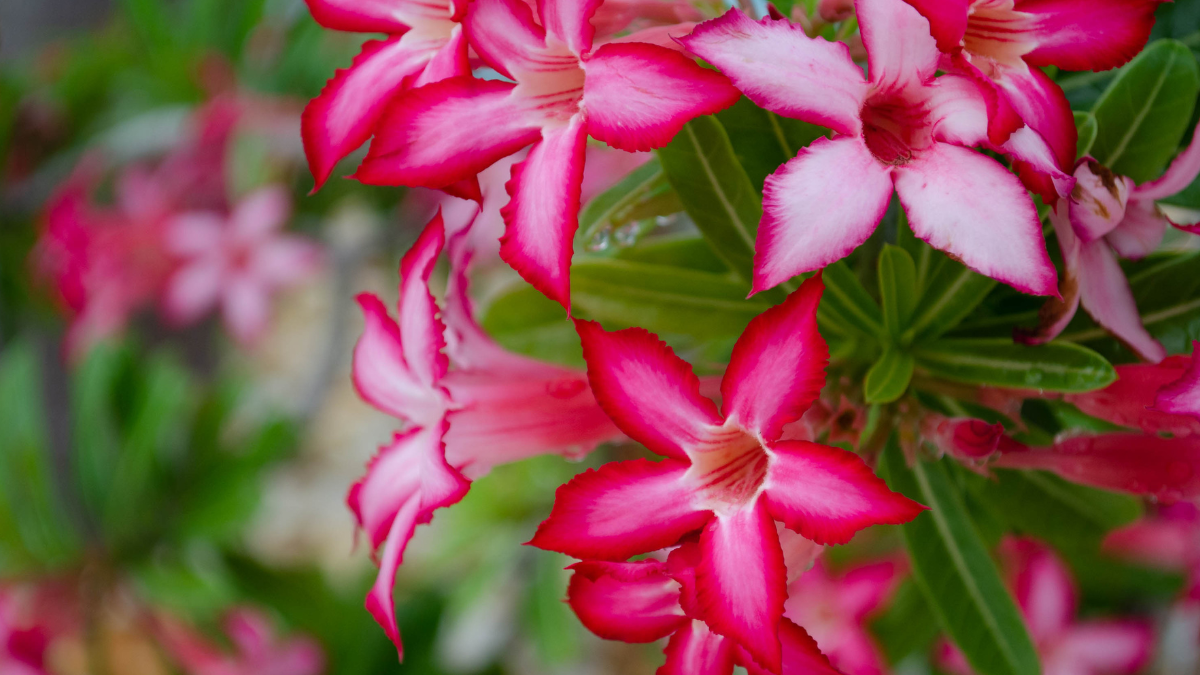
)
(995, 31)
(728, 467)
(896, 126)
(551, 81)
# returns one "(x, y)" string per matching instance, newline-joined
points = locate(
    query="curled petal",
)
(900, 50)
(801, 656)
(696, 650)
(1180, 174)
(359, 16)
(1134, 400)
(1141, 232)
(1087, 34)
(621, 509)
(504, 34)
(630, 602)
(947, 21)
(569, 21)
(1182, 397)
(1105, 294)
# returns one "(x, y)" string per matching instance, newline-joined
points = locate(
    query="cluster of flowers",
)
(41, 632)
(171, 238)
(743, 498)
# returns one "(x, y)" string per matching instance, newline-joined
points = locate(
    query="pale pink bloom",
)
(1047, 598)
(1136, 399)
(1107, 216)
(257, 650)
(633, 96)
(1182, 396)
(235, 263)
(834, 610)
(649, 600)
(1003, 44)
(467, 405)
(727, 476)
(1170, 539)
(902, 129)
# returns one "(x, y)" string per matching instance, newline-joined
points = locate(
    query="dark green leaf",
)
(686, 251)
(907, 626)
(847, 304)
(953, 292)
(959, 578)
(888, 378)
(636, 196)
(715, 191)
(1001, 363)
(763, 140)
(1145, 111)
(897, 289)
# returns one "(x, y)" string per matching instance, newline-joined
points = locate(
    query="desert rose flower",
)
(902, 129)
(1144, 397)
(633, 96)
(257, 649)
(833, 609)
(467, 405)
(649, 600)
(1108, 216)
(727, 476)
(235, 263)
(1047, 598)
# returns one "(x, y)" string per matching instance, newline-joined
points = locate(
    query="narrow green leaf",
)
(1144, 112)
(762, 140)
(1001, 363)
(1086, 126)
(897, 288)
(683, 250)
(644, 192)
(907, 626)
(888, 378)
(951, 295)
(715, 190)
(959, 578)
(851, 304)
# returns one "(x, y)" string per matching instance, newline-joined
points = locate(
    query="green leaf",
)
(1001, 363)
(762, 140)
(907, 626)
(1049, 508)
(715, 191)
(1144, 112)
(959, 578)
(897, 289)
(683, 250)
(888, 378)
(643, 193)
(847, 304)
(662, 299)
(1086, 125)
(552, 625)
(953, 292)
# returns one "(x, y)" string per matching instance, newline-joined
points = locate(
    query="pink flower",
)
(236, 263)
(491, 407)
(1136, 398)
(425, 44)
(649, 600)
(727, 476)
(1047, 598)
(1182, 396)
(1003, 43)
(1169, 540)
(971, 441)
(633, 96)
(902, 129)
(23, 638)
(1108, 215)
(834, 609)
(257, 650)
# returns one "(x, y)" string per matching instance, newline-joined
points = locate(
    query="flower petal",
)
(900, 50)
(621, 509)
(1103, 647)
(1180, 174)
(968, 205)
(382, 376)
(741, 583)
(569, 21)
(827, 494)
(651, 394)
(1182, 397)
(504, 34)
(1141, 232)
(1087, 34)
(1043, 589)
(1098, 200)
(1105, 294)
(696, 650)
(947, 21)
(359, 16)
(638, 96)
(1135, 399)
(817, 208)
(801, 656)
(783, 70)
(246, 309)
(543, 212)
(421, 331)
(343, 116)
(630, 602)
(1143, 464)
(777, 368)
(194, 233)
(193, 290)
(1043, 106)
(432, 136)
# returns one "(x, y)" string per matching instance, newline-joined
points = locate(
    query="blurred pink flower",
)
(235, 262)
(834, 608)
(1169, 539)
(257, 650)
